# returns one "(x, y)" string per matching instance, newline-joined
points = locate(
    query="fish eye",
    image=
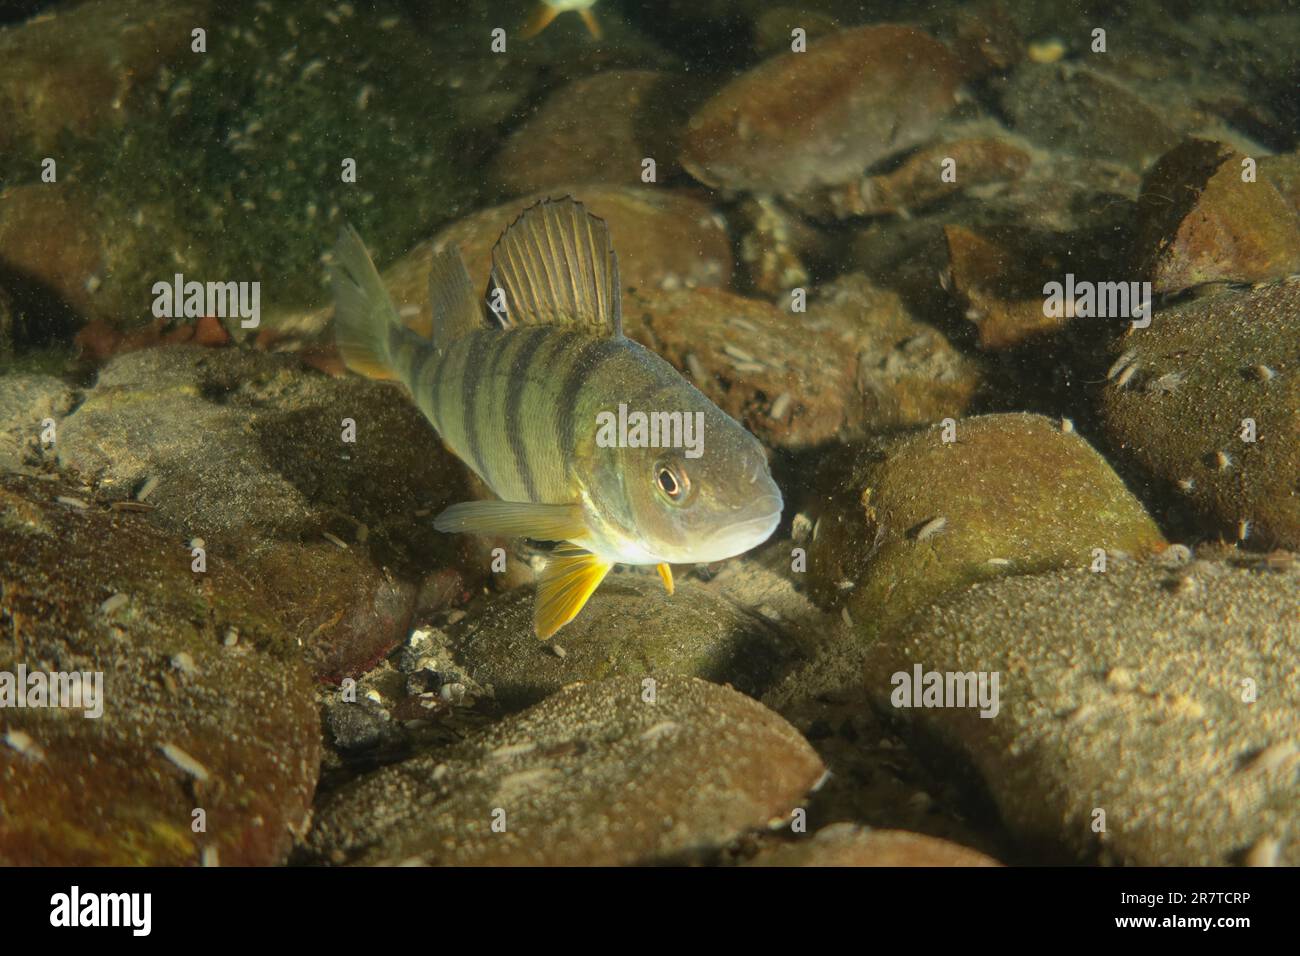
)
(672, 482)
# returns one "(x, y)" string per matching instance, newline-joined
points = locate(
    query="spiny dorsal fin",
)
(556, 266)
(456, 310)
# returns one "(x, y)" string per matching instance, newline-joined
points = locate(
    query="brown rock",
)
(801, 120)
(595, 775)
(188, 722)
(919, 181)
(855, 361)
(1199, 222)
(1000, 285)
(75, 70)
(846, 844)
(1156, 699)
(596, 130)
(1180, 394)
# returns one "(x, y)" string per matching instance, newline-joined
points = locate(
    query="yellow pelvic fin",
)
(541, 19)
(593, 25)
(514, 519)
(666, 572)
(570, 577)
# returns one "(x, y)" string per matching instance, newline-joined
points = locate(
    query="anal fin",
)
(666, 572)
(570, 577)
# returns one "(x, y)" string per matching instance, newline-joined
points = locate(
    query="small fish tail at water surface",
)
(518, 399)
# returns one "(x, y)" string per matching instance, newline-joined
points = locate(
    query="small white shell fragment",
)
(149, 487)
(335, 540)
(781, 405)
(1120, 364)
(1264, 852)
(22, 742)
(113, 603)
(187, 763)
(931, 528)
(659, 730)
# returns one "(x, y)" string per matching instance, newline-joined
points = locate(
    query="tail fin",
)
(364, 316)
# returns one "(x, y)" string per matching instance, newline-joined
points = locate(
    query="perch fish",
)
(518, 392)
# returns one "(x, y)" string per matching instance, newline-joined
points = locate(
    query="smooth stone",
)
(1126, 692)
(593, 776)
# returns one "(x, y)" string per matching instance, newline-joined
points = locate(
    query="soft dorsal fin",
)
(556, 266)
(456, 310)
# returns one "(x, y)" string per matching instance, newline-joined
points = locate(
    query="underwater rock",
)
(916, 516)
(51, 236)
(1162, 697)
(189, 721)
(775, 245)
(1065, 107)
(1284, 173)
(1000, 284)
(987, 39)
(8, 322)
(819, 118)
(629, 628)
(288, 490)
(1200, 222)
(26, 401)
(263, 128)
(601, 774)
(597, 129)
(847, 844)
(919, 180)
(119, 46)
(774, 26)
(1180, 396)
(855, 361)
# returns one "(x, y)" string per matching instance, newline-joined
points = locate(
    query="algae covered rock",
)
(619, 771)
(1207, 399)
(190, 721)
(1145, 715)
(1206, 215)
(629, 628)
(255, 455)
(29, 405)
(916, 516)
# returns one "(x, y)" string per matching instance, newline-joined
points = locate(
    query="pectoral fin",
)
(568, 580)
(593, 25)
(540, 20)
(666, 572)
(516, 519)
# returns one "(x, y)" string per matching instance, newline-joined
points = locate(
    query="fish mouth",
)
(739, 536)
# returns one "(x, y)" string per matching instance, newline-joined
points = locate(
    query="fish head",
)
(710, 500)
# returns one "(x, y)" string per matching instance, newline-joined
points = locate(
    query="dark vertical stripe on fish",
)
(473, 373)
(518, 378)
(424, 383)
(591, 356)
